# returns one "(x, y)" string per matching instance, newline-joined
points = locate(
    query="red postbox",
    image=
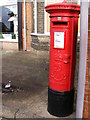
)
(63, 38)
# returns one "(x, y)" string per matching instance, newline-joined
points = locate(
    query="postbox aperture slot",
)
(60, 23)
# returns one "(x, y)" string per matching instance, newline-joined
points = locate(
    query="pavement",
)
(29, 75)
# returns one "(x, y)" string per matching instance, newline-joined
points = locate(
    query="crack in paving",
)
(16, 114)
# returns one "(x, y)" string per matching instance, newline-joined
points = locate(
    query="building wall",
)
(40, 25)
(40, 17)
(88, 66)
(8, 46)
(40, 41)
(28, 24)
(86, 111)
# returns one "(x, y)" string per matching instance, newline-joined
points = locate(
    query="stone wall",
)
(40, 43)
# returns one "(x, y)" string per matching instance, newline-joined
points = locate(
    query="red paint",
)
(63, 18)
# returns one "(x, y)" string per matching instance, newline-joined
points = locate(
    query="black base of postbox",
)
(60, 104)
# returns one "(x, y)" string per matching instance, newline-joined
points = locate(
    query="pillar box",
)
(63, 38)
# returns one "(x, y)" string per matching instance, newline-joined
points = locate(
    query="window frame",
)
(10, 39)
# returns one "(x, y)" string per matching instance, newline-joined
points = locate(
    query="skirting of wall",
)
(8, 45)
(40, 43)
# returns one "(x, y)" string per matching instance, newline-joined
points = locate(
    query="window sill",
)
(9, 40)
(40, 34)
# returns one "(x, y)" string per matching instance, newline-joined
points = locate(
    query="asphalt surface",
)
(27, 96)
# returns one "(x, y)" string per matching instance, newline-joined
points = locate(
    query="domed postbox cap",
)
(63, 9)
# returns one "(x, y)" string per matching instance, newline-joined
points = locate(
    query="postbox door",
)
(60, 59)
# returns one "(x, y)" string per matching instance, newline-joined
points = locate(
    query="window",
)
(7, 16)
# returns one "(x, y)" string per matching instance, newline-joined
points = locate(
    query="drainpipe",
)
(35, 16)
(83, 57)
(25, 25)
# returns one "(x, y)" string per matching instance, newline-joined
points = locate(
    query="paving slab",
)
(29, 76)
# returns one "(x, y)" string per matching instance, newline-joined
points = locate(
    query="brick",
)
(89, 64)
(88, 56)
(86, 109)
(87, 91)
(88, 43)
(89, 18)
(89, 106)
(86, 78)
(88, 116)
(88, 40)
(89, 25)
(86, 103)
(89, 78)
(85, 115)
(88, 34)
(86, 97)
(89, 71)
